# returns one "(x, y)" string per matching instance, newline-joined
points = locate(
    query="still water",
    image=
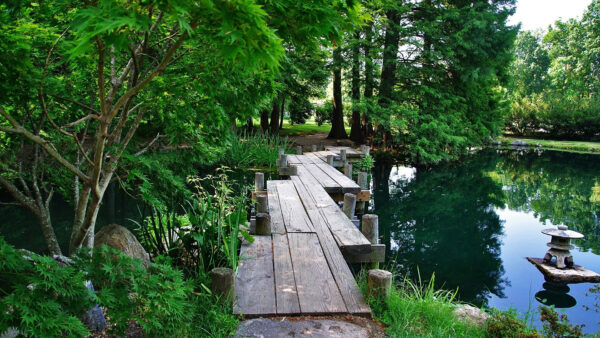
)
(473, 222)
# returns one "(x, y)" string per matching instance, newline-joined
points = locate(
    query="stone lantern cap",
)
(562, 232)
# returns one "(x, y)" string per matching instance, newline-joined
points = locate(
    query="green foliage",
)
(40, 298)
(557, 325)
(555, 80)
(156, 297)
(253, 150)
(323, 113)
(205, 236)
(417, 309)
(508, 324)
(365, 164)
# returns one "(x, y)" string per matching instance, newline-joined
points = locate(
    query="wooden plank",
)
(350, 152)
(347, 184)
(314, 158)
(285, 283)
(294, 215)
(362, 196)
(377, 254)
(293, 159)
(317, 289)
(349, 290)
(323, 179)
(255, 282)
(346, 234)
(277, 223)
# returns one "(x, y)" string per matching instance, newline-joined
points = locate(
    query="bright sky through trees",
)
(538, 14)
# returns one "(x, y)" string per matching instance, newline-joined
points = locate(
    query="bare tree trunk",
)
(369, 81)
(282, 112)
(356, 133)
(338, 131)
(274, 127)
(264, 120)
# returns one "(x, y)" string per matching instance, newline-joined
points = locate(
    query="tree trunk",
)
(282, 112)
(390, 53)
(249, 124)
(264, 120)
(369, 81)
(356, 133)
(274, 127)
(337, 115)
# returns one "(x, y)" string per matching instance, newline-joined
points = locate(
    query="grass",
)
(414, 309)
(309, 128)
(572, 146)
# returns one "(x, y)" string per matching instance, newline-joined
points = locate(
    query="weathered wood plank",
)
(349, 290)
(255, 282)
(377, 255)
(347, 184)
(348, 237)
(324, 180)
(285, 283)
(317, 289)
(294, 215)
(293, 159)
(277, 223)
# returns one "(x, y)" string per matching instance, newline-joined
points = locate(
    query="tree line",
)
(555, 78)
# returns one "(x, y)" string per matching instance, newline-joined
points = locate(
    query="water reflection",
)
(474, 222)
(442, 220)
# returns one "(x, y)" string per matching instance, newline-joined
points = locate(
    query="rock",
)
(299, 328)
(576, 274)
(471, 314)
(120, 238)
(93, 318)
(520, 143)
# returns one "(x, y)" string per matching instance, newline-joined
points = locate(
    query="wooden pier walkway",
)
(300, 268)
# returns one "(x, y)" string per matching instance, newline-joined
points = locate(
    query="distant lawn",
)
(308, 128)
(574, 146)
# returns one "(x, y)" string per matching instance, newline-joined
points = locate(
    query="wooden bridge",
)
(300, 266)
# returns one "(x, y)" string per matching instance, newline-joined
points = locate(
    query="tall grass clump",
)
(203, 234)
(253, 150)
(418, 309)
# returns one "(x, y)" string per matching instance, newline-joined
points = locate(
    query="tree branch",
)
(145, 149)
(77, 103)
(46, 145)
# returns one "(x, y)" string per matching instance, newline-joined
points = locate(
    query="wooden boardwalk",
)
(300, 269)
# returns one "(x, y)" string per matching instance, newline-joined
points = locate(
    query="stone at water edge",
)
(118, 237)
(471, 314)
(520, 143)
(576, 274)
(300, 328)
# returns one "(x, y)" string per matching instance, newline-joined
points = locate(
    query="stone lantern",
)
(560, 244)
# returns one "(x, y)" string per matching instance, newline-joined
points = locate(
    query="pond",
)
(473, 222)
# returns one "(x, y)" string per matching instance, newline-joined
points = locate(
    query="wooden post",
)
(314, 148)
(261, 204)
(283, 161)
(221, 282)
(263, 224)
(362, 183)
(343, 155)
(362, 180)
(348, 170)
(259, 181)
(330, 160)
(379, 283)
(349, 204)
(321, 146)
(366, 150)
(299, 150)
(281, 151)
(370, 227)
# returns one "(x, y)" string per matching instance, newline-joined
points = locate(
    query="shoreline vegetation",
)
(561, 145)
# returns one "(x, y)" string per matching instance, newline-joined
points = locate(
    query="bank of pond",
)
(471, 223)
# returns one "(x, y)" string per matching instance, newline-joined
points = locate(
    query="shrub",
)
(40, 298)
(508, 324)
(206, 236)
(253, 150)
(556, 325)
(156, 298)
